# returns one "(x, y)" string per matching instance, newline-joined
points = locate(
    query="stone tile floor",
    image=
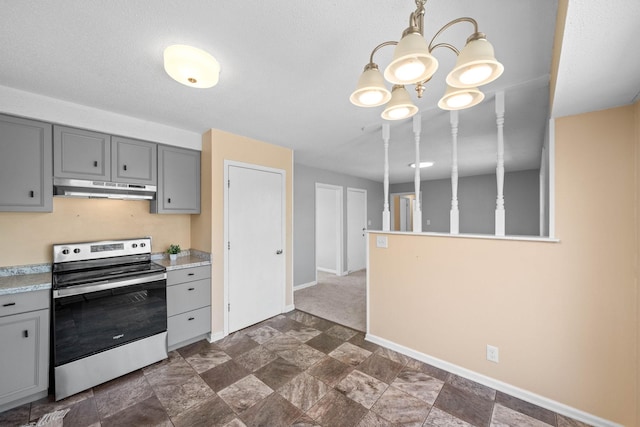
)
(291, 370)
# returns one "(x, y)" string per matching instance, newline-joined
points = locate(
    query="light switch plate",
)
(381, 241)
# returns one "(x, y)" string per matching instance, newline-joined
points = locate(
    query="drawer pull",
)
(192, 289)
(32, 194)
(26, 333)
(9, 304)
(191, 318)
(125, 167)
(95, 164)
(191, 274)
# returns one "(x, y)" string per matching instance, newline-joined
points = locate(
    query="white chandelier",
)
(413, 64)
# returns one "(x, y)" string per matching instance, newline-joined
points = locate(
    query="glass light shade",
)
(411, 62)
(476, 66)
(371, 90)
(191, 66)
(459, 98)
(400, 107)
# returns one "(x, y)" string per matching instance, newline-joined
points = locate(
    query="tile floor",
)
(292, 370)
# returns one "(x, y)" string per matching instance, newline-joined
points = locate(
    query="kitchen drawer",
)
(23, 302)
(182, 327)
(188, 296)
(188, 275)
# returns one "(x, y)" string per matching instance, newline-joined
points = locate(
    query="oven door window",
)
(90, 323)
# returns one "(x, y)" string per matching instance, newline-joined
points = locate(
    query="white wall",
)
(39, 107)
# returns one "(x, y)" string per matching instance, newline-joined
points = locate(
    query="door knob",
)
(279, 251)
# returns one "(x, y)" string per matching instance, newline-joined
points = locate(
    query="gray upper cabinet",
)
(25, 165)
(178, 181)
(133, 161)
(81, 154)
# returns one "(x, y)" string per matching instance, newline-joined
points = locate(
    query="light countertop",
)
(29, 278)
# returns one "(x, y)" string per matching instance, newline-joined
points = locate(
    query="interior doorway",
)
(356, 229)
(329, 226)
(401, 207)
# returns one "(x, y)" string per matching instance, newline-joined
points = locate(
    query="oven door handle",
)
(103, 286)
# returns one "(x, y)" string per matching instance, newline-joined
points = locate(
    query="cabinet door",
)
(25, 165)
(81, 154)
(133, 161)
(24, 354)
(178, 181)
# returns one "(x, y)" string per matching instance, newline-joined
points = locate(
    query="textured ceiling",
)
(288, 68)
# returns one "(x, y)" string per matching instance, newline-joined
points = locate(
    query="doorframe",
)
(339, 226)
(357, 190)
(392, 206)
(283, 173)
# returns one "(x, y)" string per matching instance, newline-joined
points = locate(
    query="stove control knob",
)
(65, 251)
(76, 251)
(135, 245)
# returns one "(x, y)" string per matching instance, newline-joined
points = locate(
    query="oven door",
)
(93, 318)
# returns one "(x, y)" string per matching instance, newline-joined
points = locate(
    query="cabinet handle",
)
(191, 274)
(192, 289)
(32, 194)
(9, 304)
(125, 167)
(191, 318)
(95, 164)
(25, 333)
(169, 200)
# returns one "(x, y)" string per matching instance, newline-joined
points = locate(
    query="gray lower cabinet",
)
(24, 334)
(188, 305)
(25, 165)
(178, 181)
(81, 154)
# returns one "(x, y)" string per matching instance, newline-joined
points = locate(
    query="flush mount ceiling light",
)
(413, 63)
(422, 165)
(191, 66)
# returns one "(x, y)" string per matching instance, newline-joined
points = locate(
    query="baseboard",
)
(213, 337)
(305, 285)
(289, 308)
(327, 270)
(509, 389)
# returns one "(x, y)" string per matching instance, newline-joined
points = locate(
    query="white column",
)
(454, 214)
(417, 211)
(500, 213)
(386, 216)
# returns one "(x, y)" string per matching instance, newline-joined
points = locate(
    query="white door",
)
(255, 247)
(356, 227)
(404, 213)
(329, 228)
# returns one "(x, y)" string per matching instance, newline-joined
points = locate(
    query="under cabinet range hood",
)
(102, 189)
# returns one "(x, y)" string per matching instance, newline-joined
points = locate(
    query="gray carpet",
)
(341, 299)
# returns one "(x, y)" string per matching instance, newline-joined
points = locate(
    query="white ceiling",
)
(288, 68)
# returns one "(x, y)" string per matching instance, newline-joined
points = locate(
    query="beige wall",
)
(637, 353)
(218, 146)
(26, 238)
(564, 315)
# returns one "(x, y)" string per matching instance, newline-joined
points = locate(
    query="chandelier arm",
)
(452, 23)
(380, 46)
(450, 46)
(416, 19)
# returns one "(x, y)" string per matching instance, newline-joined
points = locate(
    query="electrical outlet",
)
(381, 241)
(492, 353)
